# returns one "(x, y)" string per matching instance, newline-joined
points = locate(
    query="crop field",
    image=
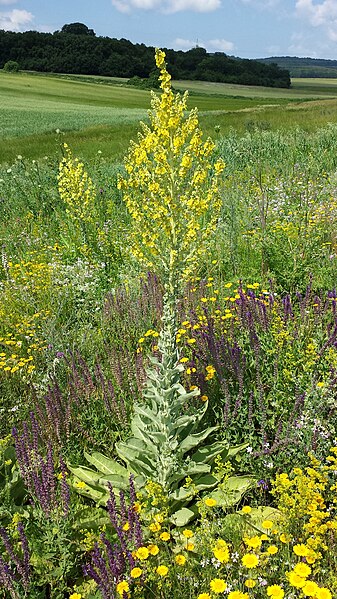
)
(106, 112)
(168, 340)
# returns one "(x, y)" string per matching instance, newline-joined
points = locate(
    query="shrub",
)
(11, 66)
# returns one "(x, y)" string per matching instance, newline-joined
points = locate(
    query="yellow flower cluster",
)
(30, 275)
(76, 189)
(171, 187)
(308, 499)
(19, 348)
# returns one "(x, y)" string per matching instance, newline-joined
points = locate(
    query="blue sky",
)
(246, 28)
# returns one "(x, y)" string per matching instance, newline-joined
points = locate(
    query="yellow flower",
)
(75, 596)
(272, 549)
(142, 553)
(246, 509)
(155, 526)
(250, 583)
(190, 546)
(301, 550)
(122, 587)
(204, 398)
(188, 534)
(153, 549)
(162, 570)
(323, 593)
(221, 554)
(210, 502)
(267, 524)
(204, 596)
(218, 585)
(80, 484)
(180, 559)
(302, 570)
(253, 542)
(275, 592)
(165, 536)
(126, 526)
(250, 560)
(284, 538)
(136, 572)
(238, 595)
(295, 580)
(310, 589)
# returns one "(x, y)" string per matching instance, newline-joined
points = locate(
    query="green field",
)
(106, 113)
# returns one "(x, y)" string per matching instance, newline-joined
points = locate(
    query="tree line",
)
(76, 49)
(305, 67)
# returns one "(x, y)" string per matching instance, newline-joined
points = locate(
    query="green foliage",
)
(76, 49)
(12, 491)
(77, 29)
(11, 66)
(150, 83)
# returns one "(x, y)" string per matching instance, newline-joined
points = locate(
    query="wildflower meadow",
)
(168, 366)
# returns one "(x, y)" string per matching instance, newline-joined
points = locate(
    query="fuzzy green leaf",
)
(105, 465)
(195, 439)
(184, 516)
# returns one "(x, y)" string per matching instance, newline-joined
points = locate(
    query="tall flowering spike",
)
(171, 186)
(76, 189)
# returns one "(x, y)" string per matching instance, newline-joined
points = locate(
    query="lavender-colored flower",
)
(38, 472)
(17, 570)
(109, 562)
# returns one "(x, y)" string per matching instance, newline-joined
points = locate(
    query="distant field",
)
(96, 113)
(300, 89)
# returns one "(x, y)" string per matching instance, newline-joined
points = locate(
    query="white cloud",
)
(317, 14)
(167, 6)
(322, 15)
(219, 45)
(15, 20)
(183, 44)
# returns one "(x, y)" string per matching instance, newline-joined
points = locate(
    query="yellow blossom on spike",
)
(171, 185)
(76, 189)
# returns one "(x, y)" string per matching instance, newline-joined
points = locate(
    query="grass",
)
(100, 113)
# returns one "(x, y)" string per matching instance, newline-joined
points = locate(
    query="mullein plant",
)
(171, 189)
